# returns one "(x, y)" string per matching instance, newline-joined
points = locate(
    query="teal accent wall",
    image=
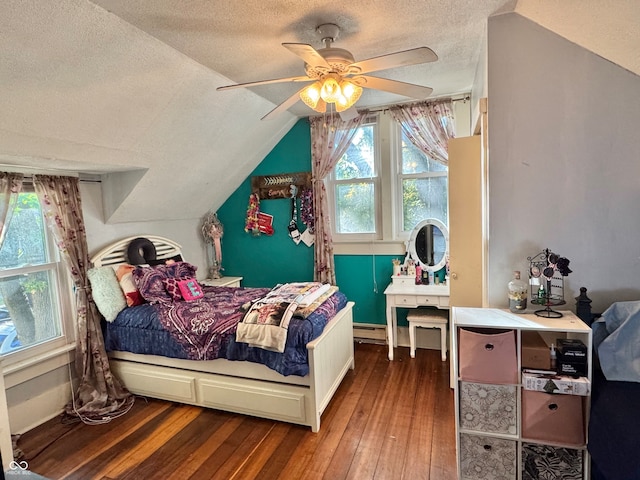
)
(264, 261)
(267, 260)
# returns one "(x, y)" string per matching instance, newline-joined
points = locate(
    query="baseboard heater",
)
(369, 332)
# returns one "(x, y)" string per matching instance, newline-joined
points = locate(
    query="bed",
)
(614, 419)
(298, 395)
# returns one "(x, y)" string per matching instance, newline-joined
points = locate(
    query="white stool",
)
(428, 318)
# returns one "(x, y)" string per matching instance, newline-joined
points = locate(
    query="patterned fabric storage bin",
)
(488, 357)
(552, 418)
(550, 463)
(488, 408)
(487, 457)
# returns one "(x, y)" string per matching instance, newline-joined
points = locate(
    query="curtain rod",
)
(435, 100)
(28, 178)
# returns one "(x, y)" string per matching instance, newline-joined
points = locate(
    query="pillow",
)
(106, 292)
(149, 280)
(190, 289)
(172, 288)
(124, 274)
(183, 288)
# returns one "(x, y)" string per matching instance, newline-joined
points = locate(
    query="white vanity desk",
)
(427, 247)
(403, 295)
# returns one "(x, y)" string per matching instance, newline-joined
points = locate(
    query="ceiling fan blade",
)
(393, 86)
(286, 105)
(398, 59)
(266, 82)
(309, 54)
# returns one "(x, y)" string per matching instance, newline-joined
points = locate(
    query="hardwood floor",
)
(388, 420)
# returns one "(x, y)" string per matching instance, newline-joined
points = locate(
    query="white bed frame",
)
(241, 387)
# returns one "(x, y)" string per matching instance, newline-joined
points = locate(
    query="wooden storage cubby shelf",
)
(490, 414)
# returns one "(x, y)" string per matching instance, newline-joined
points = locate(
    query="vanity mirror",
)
(429, 244)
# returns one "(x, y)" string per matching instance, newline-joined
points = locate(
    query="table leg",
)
(390, 337)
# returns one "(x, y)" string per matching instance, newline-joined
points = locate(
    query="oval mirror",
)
(429, 244)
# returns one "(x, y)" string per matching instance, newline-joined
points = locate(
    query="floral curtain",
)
(10, 187)
(99, 396)
(428, 125)
(330, 137)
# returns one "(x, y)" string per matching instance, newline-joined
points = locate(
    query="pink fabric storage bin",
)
(553, 418)
(488, 357)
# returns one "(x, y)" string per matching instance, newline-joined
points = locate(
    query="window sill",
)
(369, 248)
(24, 370)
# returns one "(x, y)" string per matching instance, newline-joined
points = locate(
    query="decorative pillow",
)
(172, 288)
(124, 274)
(190, 289)
(149, 280)
(106, 292)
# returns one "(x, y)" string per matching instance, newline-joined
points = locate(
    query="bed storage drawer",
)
(245, 397)
(156, 382)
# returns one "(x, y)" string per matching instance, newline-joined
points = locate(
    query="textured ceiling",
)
(242, 40)
(127, 88)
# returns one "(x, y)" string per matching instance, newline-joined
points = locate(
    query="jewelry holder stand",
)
(543, 272)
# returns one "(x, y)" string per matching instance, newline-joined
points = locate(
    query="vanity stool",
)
(428, 318)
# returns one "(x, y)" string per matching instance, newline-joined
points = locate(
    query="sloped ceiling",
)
(126, 88)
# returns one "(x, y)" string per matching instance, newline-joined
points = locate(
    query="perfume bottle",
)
(517, 294)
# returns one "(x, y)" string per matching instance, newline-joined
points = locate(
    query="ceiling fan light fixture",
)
(311, 95)
(350, 95)
(330, 91)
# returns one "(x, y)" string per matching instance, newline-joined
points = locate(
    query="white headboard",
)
(117, 252)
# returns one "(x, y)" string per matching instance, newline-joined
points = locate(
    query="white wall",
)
(99, 234)
(564, 169)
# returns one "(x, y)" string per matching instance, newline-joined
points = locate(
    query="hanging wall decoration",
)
(279, 186)
(212, 231)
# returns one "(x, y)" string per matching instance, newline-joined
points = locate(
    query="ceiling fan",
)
(338, 79)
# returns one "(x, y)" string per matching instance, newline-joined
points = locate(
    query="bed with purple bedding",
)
(165, 329)
(186, 350)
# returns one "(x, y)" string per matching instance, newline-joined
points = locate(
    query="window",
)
(355, 186)
(383, 186)
(423, 186)
(30, 284)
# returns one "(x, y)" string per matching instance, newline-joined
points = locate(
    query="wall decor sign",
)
(284, 185)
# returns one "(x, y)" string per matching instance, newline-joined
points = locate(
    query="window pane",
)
(415, 161)
(359, 160)
(27, 311)
(424, 198)
(355, 208)
(24, 243)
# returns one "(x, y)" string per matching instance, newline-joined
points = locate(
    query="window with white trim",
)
(34, 288)
(422, 186)
(380, 167)
(354, 187)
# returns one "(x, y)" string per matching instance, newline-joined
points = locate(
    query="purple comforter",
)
(148, 329)
(202, 326)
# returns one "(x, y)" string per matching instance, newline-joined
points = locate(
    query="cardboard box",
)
(549, 382)
(535, 352)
